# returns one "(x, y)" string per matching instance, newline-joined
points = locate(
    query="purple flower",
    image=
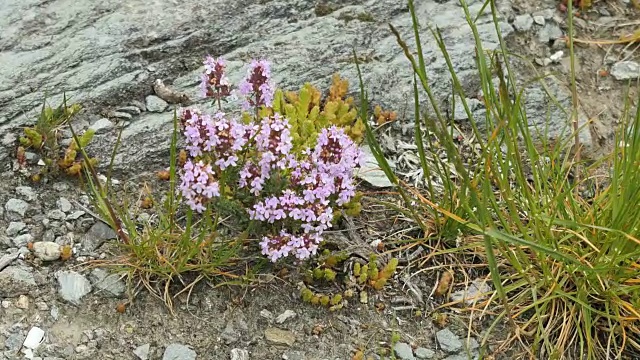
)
(257, 86)
(214, 82)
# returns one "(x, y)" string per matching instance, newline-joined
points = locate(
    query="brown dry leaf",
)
(163, 175)
(444, 283)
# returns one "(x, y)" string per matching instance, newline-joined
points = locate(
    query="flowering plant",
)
(295, 193)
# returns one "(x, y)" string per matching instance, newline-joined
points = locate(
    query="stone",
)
(625, 70)
(22, 240)
(102, 126)
(56, 214)
(449, 342)
(179, 352)
(155, 104)
(14, 341)
(64, 205)
(121, 115)
(239, 354)
(131, 109)
(47, 250)
(371, 171)
(75, 215)
(34, 338)
(424, 353)
(277, 336)
(474, 293)
(16, 209)
(22, 302)
(96, 236)
(142, 351)
(14, 228)
(523, 23)
(549, 32)
(107, 284)
(73, 286)
(539, 19)
(286, 315)
(403, 351)
(26, 192)
(16, 281)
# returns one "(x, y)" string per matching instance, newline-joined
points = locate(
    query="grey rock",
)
(132, 109)
(121, 115)
(179, 352)
(449, 342)
(279, 337)
(473, 293)
(625, 70)
(239, 354)
(545, 14)
(523, 23)
(142, 351)
(424, 353)
(549, 32)
(75, 215)
(155, 104)
(27, 193)
(15, 209)
(15, 227)
(109, 284)
(403, 351)
(56, 214)
(5, 241)
(16, 281)
(371, 171)
(73, 286)
(286, 315)
(22, 240)
(102, 126)
(96, 236)
(14, 341)
(64, 205)
(47, 251)
(539, 19)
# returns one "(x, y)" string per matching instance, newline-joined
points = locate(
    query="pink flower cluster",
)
(257, 86)
(214, 83)
(317, 180)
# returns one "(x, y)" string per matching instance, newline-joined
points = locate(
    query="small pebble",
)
(403, 351)
(15, 227)
(102, 126)
(424, 353)
(449, 342)
(56, 214)
(64, 205)
(178, 352)
(142, 351)
(22, 240)
(286, 315)
(523, 23)
(539, 19)
(239, 354)
(22, 302)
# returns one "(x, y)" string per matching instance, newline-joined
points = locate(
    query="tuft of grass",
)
(562, 248)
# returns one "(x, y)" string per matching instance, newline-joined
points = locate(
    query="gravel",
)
(15, 227)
